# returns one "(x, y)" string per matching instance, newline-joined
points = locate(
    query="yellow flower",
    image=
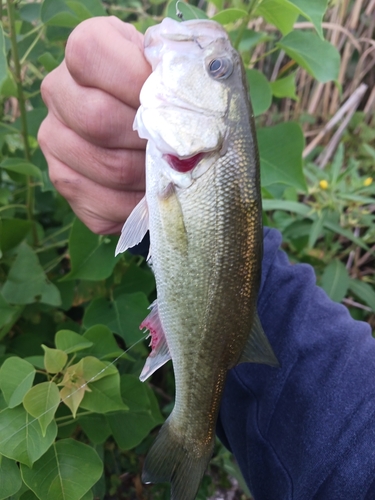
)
(323, 184)
(367, 182)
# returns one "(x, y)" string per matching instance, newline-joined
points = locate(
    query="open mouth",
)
(183, 165)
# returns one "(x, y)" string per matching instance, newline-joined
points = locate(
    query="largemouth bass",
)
(203, 209)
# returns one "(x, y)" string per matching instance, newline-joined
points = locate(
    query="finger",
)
(101, 209)
(94, 114)
(119, 169)
(108, 54)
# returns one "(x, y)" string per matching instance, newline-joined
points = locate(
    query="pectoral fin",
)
(135, 227)
(258, 349)
(159, 354)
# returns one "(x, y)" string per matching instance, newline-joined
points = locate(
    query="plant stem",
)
(252, 6)
(21, 102)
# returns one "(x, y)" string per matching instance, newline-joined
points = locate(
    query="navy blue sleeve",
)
(306, 430)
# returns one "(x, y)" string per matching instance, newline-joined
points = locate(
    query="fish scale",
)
(205, 235)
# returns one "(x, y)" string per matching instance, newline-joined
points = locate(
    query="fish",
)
(202, 208)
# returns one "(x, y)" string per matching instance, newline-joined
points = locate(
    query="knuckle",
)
(45, 88)
(81, 46)
(93, 122)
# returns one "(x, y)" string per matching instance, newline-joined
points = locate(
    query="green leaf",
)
(134, 393)
(10, 478)
(336, 228)
(3, 58)
(280, 149)
(48, 61)
(130, 428)
(285, 87)
(54, 359)
(8, 316)
(122, 315)
(316, 56)
(27, 282)
(313, 11)
(229, 16)
(136, 279)
(69, 341)
(337, 163)
(260, 91)
(363, 291)
(104, 395)
(21, 437)
(280, 13)
(316, 229)
(13, 232)
(21, 166)
(16, 378)
(289, 206)
(335, 280)
(69, 13)
(93, 369)
(95, 427)
(41, 402)
(92, 256)
(249, 38)
(66, 472)
(103, 343)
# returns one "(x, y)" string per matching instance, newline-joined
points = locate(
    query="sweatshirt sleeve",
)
(305, 430)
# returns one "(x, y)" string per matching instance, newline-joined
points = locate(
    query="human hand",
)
(95, 159)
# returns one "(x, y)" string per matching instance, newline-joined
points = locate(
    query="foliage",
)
(70, 310)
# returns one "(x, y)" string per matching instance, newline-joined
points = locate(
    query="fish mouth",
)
(183, 165)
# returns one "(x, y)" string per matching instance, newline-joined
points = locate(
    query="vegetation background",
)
(70, 347)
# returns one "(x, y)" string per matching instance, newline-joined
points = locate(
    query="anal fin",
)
(135, 227)
(258, 349)
(159, 354)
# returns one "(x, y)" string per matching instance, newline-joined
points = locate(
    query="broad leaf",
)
(122, 315)
(27, 282)
(96, 427)
(260, 91)
(68, 14)
(21, 437)
(285, 87)
(104, 395)
(10, 478)
(103, 342)
(364, 292)
(280, 149)
(312, 10)
(136, 279)
(13, 231)
(8, 316)
(21, 166)
(335, 280)
(229, 16)
(16, 378)
(66, 472)
(69, 341)
(54, 359)
(280, 13)
(318, 57)
(41, 402)
(92, 256)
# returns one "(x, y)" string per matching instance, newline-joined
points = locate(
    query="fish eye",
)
(220, 68)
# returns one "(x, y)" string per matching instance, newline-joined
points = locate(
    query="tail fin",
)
(170, 461)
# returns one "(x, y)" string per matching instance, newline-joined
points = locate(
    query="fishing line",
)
(78, 389)
(179, 14)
